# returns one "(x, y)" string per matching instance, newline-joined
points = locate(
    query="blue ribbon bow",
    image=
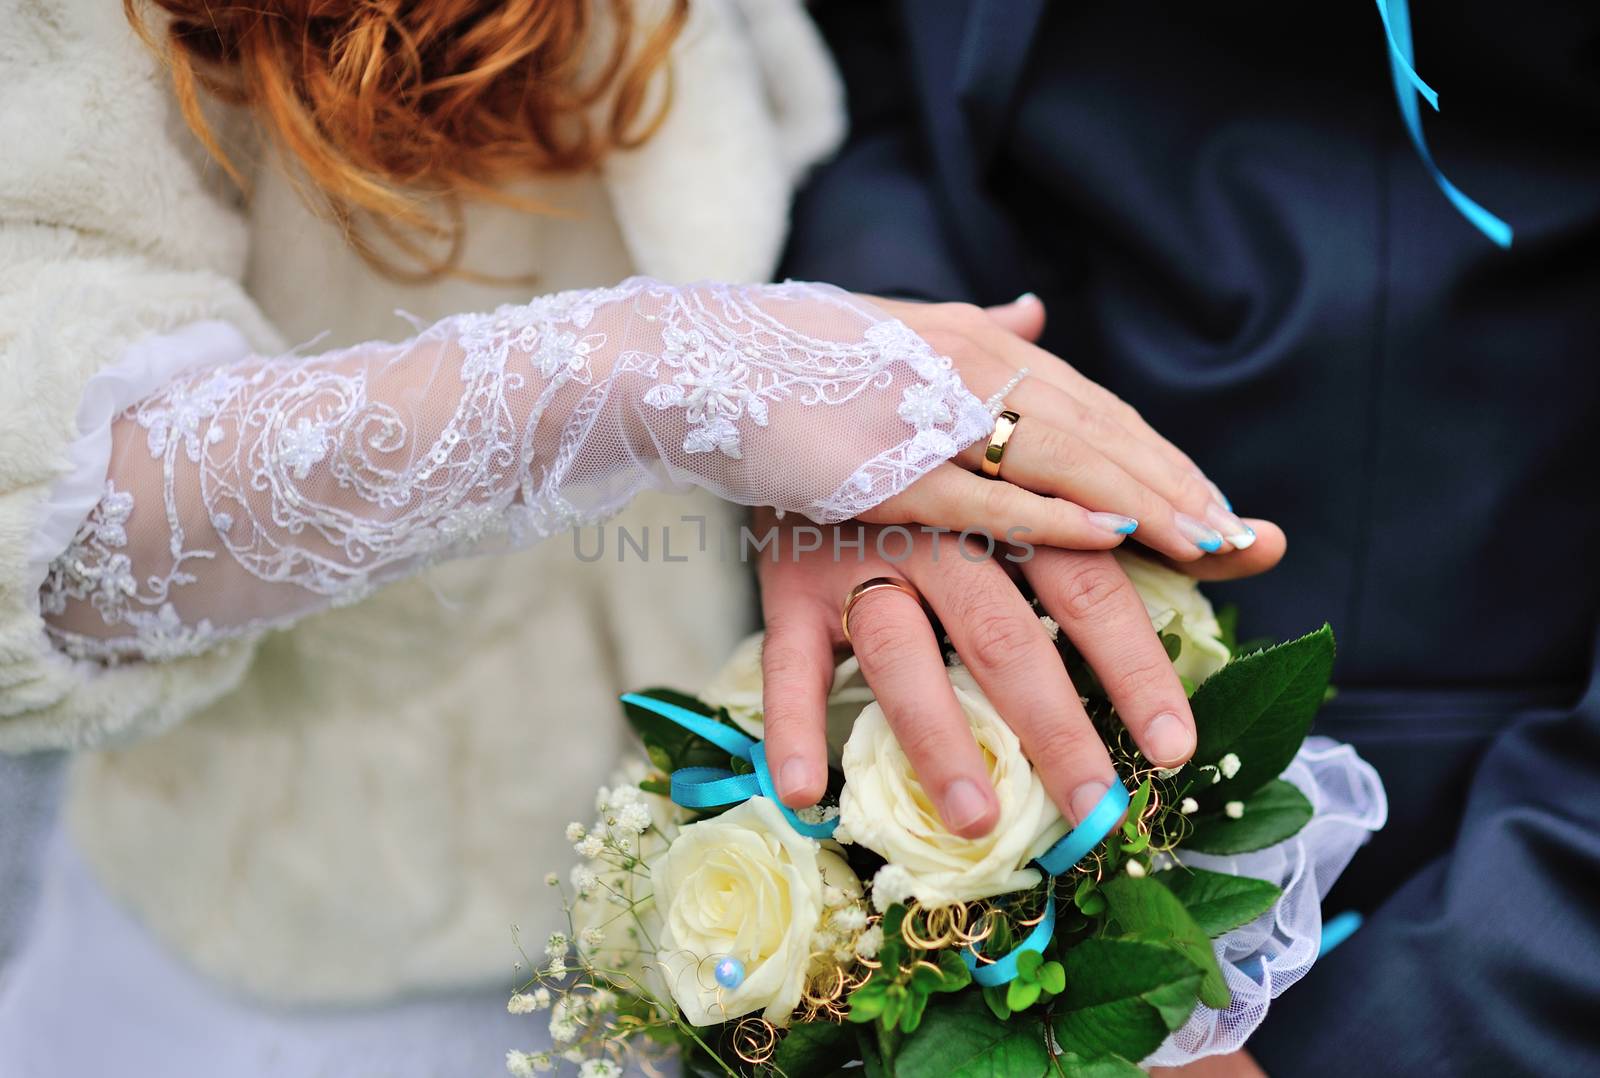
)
(710, 787)
(1071, 848)
(1396, 16)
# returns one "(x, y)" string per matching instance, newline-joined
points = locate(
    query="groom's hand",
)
(998, 636)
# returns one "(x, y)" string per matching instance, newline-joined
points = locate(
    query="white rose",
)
(1175, 605)
(624, 951)
(737, 688)
(884, 808)
(743, 885)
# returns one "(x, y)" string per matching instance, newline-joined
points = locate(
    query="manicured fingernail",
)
(794, 778)
(1168, 740)
(1234, 530)
(1026, 297)
(1207, 539)
(1114, 522)
(1086, 797)
(1216, 492)
(964, 805)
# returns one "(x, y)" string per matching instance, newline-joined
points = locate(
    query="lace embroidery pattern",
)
(322, 477)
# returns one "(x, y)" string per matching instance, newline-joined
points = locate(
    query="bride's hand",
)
(1082, 468)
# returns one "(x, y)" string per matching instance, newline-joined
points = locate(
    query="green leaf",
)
(1146, 909)
(1106, 1008)
(995, 996)
(1259, 707)
(1020, 994)
(866, 1007)
(894, 946)
(956, 974)
(1174, 645)
(661, 787)
(812, 1049)
(1074, 1066)
(1053, 977)
(961, 1038)
(1088, 899)
(1028, 963)
(1219, 902)
(1273, 813)
(669, 745)
(911, 1017)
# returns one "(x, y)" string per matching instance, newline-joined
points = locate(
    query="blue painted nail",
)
(1206, 538)
(1114, 522)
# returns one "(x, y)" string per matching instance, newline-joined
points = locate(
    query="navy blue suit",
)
(1220, 207)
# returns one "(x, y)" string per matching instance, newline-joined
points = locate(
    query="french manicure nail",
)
(1234, 530)
(1026, 297)
(964, 804)
(1086, 797)
(1114, 522)
(1207, 539)
(1168, 740)
(794, 777)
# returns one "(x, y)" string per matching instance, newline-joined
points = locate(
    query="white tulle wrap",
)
(1280, 946)
(257, 489)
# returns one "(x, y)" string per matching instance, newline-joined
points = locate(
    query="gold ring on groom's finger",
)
(877, 583)
(1005, 425)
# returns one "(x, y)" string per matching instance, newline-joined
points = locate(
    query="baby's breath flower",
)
(599, 1068)
(870, 942)
(850, 919)
(592, 938)
(556, 945)
(1168, 772)
(1233, 809)
(892, 884)
(521, 1003)
(584, 879)
(1188, 806)
(575, 1055)
(1229, 765)
(817, 813)
(520, 1064)
(590, 847)
(552, 880)
(634, 817)
(562, 1028)
(1050, 626)
(602, 999)
(556, 968)
(575, 831)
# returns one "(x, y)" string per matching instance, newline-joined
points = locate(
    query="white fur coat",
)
(360, 806)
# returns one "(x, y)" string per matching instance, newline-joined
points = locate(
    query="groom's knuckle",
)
(999, 639)
(878, 643)
(1091, 589)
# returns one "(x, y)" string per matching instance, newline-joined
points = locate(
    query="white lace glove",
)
(246, 496)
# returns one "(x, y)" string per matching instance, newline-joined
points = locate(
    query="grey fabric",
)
(30, 794)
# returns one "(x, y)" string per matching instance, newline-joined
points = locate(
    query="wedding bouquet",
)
(708, 920)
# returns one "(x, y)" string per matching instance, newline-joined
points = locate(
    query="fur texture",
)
(362, 805)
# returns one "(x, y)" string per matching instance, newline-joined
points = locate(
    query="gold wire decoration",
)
(754, 1040)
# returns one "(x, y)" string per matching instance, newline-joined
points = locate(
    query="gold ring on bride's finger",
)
(877, 583)
(1005, 424)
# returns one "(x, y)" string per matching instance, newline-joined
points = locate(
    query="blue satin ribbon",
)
(1396, 16)
(712, 787)
(1071, 848)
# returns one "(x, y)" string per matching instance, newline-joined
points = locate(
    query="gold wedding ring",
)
(1005, 425)
(877, 583)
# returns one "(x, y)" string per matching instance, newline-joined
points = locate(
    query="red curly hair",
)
(397, 109)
